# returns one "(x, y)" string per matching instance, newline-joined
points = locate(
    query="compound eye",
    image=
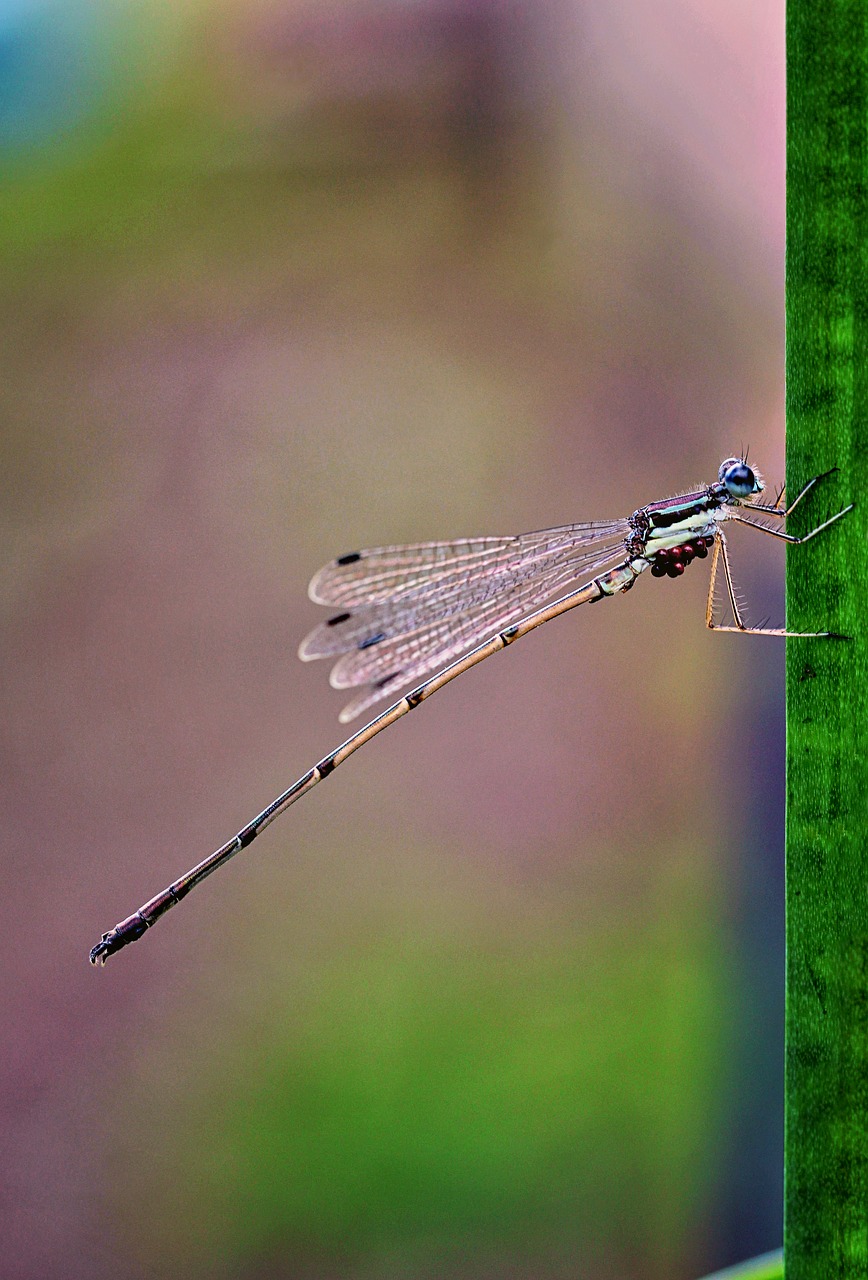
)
(740, 481)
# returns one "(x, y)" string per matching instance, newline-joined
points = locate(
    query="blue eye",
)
(740, 481)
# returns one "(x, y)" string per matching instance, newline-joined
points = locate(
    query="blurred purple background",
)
(279, 280)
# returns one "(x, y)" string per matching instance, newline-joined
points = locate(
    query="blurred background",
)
(283, 278)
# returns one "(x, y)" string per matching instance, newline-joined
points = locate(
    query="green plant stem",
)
(826, 1148)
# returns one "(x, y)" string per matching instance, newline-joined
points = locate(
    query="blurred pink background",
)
(504, 998)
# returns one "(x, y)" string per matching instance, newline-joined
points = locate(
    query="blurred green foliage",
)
(431, 1099)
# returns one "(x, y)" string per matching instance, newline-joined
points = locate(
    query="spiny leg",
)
(777, 510)
(741, 626)
(789, 537)
(712, 580)
(720, 553)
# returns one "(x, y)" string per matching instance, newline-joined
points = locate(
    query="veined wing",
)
(376, 574)
(406, 611)
(409, 658)
(364, 577)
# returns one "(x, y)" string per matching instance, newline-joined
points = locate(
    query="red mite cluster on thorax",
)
(672, 561)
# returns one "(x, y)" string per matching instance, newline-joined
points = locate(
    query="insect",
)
(402, 613)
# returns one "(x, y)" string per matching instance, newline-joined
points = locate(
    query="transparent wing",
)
(364, 577)
(408, 659)
(407, 611)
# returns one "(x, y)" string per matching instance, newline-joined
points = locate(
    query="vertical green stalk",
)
(826, 1164)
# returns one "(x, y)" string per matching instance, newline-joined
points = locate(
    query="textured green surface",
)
(826, 1193)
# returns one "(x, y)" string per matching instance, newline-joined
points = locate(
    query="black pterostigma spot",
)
(350, 559)
(381, 684)
(339, 617)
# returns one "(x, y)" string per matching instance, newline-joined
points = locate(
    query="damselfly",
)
(404, 612)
